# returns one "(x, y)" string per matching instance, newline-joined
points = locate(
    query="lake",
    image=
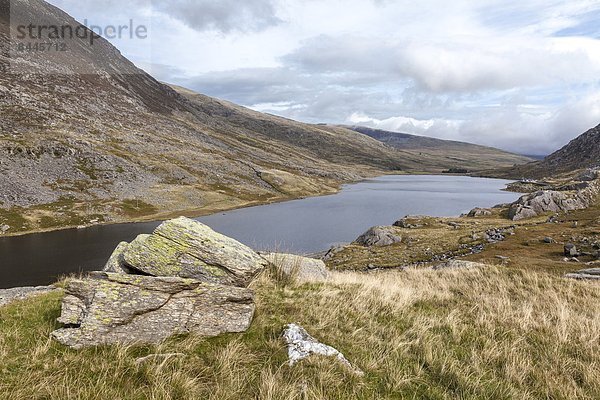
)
(300, 226)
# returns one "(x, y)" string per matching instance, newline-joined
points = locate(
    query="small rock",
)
(548, 240)
(4, 228)
(302, 345)
(479, 212)
(570, 250)
(503, 258)
(379, 236)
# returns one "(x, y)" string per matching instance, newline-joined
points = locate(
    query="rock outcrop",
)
(479, 212)
(183, 278)
(534, 204)
(189, 249)
(301, 345)
(301, 269)
(379, 236)
(109, 308)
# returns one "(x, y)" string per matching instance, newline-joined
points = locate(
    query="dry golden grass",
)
(494, 333)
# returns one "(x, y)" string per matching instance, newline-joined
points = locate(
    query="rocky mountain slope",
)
(581, 153)
(86, 137)
(457, 155)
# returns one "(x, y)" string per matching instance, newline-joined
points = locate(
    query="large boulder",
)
(189, 249)
(108, 308)
(534, 204)
(379, 236)
(302, 269)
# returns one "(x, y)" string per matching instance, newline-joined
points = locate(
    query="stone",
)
(301, 269)
(534, 204)
(301, 345)
(8, 296)
(479, 212)
(459, 264)
(4, 228)
(585, 274)
(116, 262)
(107, 308)
(588, 175)
(548, 240)
(570, 250)
(410, 222)
(333, 251)
(379, 236)
(189, 249)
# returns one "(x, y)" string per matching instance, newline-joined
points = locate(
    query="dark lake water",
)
(300, 226)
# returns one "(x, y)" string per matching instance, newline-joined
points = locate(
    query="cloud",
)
(222, 15)
(525, 130)
(456, 64)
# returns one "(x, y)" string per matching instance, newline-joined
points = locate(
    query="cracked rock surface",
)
(189, 249)
(109, 308)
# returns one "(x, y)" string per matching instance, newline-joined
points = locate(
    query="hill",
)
(581, 153)
(87, 137)
(457, 155)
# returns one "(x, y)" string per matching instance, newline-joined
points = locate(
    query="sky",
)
(519, 75)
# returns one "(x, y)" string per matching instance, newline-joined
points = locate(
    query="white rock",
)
(301, 345)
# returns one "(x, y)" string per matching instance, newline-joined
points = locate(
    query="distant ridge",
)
(473, 157)
(582, 152)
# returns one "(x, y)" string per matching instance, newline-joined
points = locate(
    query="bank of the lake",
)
(300, 226)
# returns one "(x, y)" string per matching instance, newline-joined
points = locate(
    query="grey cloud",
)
(222, 15)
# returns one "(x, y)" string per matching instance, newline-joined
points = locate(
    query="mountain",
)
(582, 152)
(86, 137)
(456, 155)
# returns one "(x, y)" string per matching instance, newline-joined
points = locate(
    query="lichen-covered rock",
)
(302, 345)
(116, 262)
(189, 249)
(302, 269)
(544, 201)
(108, 308)
(379, 236)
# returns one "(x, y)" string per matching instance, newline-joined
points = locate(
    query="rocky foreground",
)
(182, 278)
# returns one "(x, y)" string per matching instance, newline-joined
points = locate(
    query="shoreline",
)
(203, 212)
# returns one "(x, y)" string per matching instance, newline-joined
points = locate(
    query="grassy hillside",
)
(496, 333)
(449, 153)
